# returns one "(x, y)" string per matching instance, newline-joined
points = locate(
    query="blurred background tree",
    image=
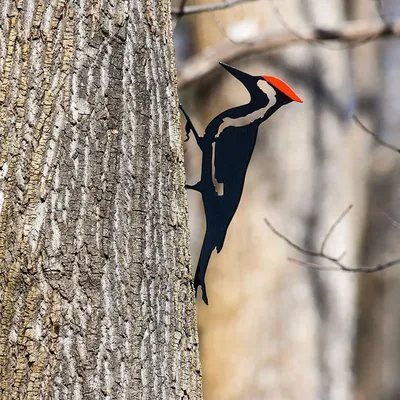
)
(274, 329)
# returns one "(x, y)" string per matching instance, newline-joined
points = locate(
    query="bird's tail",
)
(199, 281)
(205, 254)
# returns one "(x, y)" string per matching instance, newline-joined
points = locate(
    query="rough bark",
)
(96, 295)
(282, 331)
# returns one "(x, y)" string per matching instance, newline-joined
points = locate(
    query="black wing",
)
(233, 150)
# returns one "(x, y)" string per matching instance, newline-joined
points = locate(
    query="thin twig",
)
(317, 41)
(392, 221)
(375, 136)
(341, 267)
(313, 265)
(223, 31)
(180, 12)
(182, 6)
(340, 258)
(321, 254)
(202, 64)
(333, 227)
(190, 10)
(289, 242)
(379, 10)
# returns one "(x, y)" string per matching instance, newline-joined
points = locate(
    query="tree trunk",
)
(96, 295)
(368, 344)
(382, 365)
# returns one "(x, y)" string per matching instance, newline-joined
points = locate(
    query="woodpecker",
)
(231, 137)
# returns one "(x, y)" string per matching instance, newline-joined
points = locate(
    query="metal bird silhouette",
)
(231, 135)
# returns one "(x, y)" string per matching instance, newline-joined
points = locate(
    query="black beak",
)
(248, 81)
(238, 74)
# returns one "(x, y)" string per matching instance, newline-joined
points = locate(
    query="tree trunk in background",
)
(369, 343)
(96, 295)
(273, 329)
(382, 239)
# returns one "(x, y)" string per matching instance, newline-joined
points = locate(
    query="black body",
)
(233, 150)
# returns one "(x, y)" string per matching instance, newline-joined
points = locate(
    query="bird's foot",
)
(196, 187)
(204, 296)
(198, 282)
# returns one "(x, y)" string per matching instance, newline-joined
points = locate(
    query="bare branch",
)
(375, 268)
(318, 41)
(202, 64)
(190, 10)
(339, 266)
(379, 10)
(289, 242)
(313, 265)
(392, 221)
(333, 227)
(180, 12)
(375, 136)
